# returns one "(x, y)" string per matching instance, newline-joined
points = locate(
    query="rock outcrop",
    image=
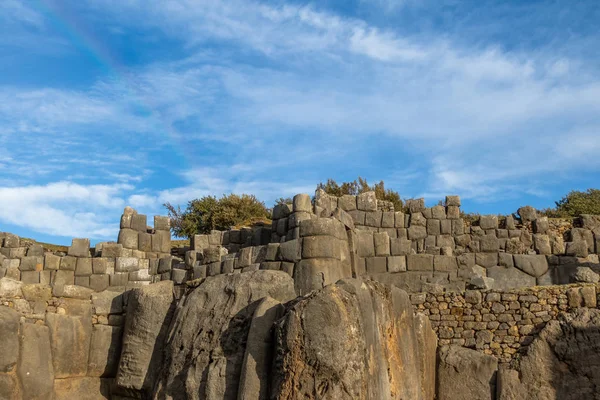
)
(352, 340)
(563, 362)
(206, 346)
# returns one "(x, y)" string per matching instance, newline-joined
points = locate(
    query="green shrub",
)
(574, 204)
(360, 186)
(208, 213)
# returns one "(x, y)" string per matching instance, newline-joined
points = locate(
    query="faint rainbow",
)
(68, 24)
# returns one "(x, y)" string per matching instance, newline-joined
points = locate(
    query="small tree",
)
(361, 185)
(576, 203)
(208, 213)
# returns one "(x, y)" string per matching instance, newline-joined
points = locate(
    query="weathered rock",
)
(9, 338)
(428, 342)
(585, 274)
(9, 387)
(148, 315)
(527, 214)
(105, 349)
(205, 349)
(70, 342)
(355, 339)
(561, 363)
(35, 369)
(534, 265)
(465, 374)
(256, 367)
(508, 278)
(82, 389)
(10, 288)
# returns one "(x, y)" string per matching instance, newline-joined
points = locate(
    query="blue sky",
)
(108, 103)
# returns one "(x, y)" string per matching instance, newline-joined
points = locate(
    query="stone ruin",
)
(340, 298)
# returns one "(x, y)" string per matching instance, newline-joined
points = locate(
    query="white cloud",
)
(65, 209)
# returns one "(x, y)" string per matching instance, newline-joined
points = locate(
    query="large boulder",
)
(206, 347)
(35, 370)
(352, 340)
(563, 362)
(147, 320)
(9, 344)
(465, 374)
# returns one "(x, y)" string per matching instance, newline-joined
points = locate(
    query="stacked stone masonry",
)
(501, 323)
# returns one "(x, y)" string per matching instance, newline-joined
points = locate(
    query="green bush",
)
(361, 185)
(208, 213)
(575, 203)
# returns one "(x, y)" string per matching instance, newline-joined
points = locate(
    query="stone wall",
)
(59, 343)
(500, 322)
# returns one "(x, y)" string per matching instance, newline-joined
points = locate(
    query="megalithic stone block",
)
(79, 248)
(128, 238)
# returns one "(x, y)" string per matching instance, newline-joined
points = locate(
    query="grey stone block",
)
(366, 201)
(83, 281)
(358, 217)
(488, 222)
(415, 205)
(79, 248)
(84, 267)
(396, 264)
(438, 212)
(139, 222)
(245, 257)
(534, 265)
(30, 277)
(63, 277)
(527, 214)
(35, 250)
(301, 202)
(376, 265)
(282, 227)
(417, 232)
(68, 263)
(105, 350)
(400, 246)
(179, 276)
(11, 241)
(288, 267)
(373, 218)
(144, 241)
(200, 242)
(162, 223)
(126, 264)
(35, 369)
(119, 279)
(51, 262)
(419, 262)
(486, 260)
(199, 271)
(128, 238)
(399, 219)
(99, 265)
(271, 265)
(365, 244)
(282, 211)
(433, 227)
(321, 247)
(445, 263)
(227, 266)
(446, 227)
(165, 264)
(388, 219)
(541, 243)
(489, 244)
(347, 202)
(417, 219)
(382, 244)
(291, 250)
(99, 282)
(540, 225)
(31, 263)
(577, 249)
(506, 260)
(453, 201)
(112, 250)
(452, 212)
(323, 227)
(509, 278)
(9, 332)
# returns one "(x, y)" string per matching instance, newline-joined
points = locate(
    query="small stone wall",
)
(500, 323)
(61, 343)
